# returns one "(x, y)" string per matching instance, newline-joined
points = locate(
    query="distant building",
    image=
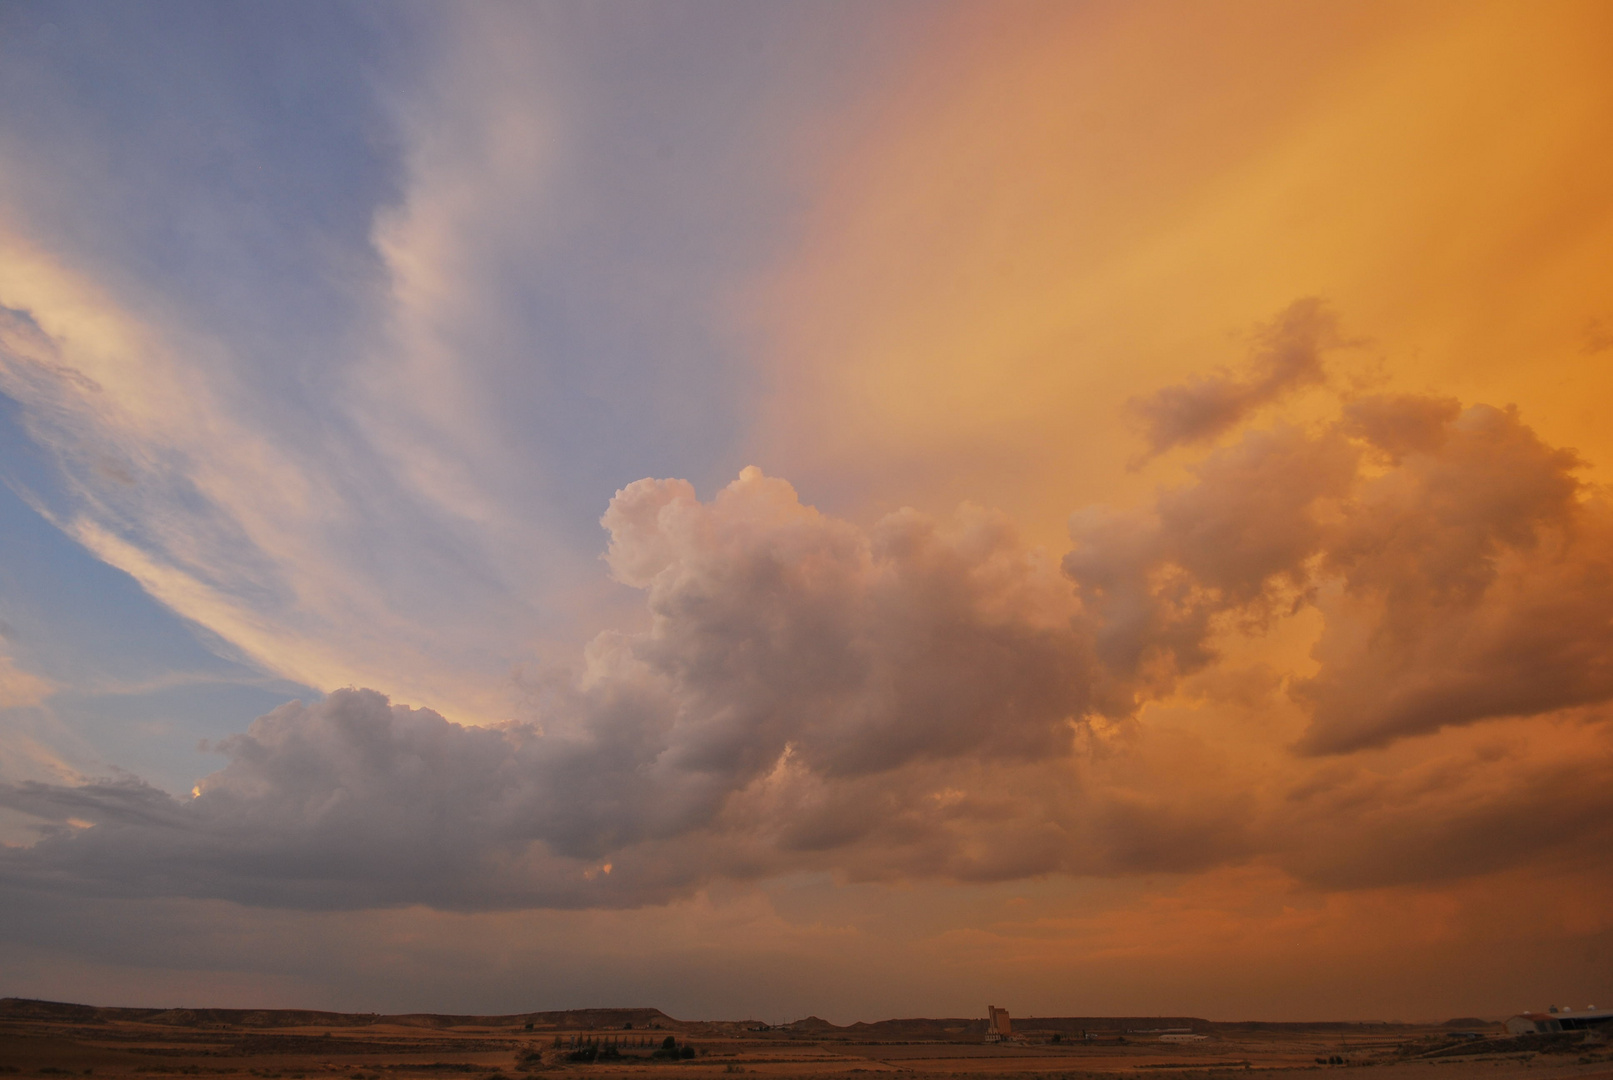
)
(1559, 1019)
(998, 1026)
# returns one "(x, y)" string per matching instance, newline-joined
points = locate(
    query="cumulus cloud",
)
(928, 698)
(1287, 356)
(788, 650)
(1475, 580)
(1236, 539)
(1463, 570)
(864, 651)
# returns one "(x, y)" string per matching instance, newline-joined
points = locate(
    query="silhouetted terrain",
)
(54, 1041)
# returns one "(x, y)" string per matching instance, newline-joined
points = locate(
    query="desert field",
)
(51, 1041)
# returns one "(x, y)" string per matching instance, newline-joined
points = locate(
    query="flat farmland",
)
(49, 1041)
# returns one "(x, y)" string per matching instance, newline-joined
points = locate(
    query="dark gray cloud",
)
(1286, 356)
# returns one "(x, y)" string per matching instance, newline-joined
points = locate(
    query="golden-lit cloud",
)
(935, 700)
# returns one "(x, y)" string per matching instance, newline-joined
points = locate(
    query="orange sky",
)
(1048, 215)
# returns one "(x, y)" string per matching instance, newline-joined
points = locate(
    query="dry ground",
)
(41, 1041)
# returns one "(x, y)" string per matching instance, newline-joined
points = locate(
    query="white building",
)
(1560, 1018)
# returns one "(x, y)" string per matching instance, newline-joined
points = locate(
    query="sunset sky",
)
(838, 508)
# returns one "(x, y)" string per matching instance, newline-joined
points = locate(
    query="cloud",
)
(1287, 356)
(1475, 579)
(1236, 539)
(1526, 792)
(934, 699)
(788, 651)
(864, 651)
(1462, 569)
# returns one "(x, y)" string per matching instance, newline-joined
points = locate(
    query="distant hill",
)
(915, 1029)
(567, 1020)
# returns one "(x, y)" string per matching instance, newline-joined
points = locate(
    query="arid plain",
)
(50, 1041)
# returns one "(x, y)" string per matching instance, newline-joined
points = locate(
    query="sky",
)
(822, 509)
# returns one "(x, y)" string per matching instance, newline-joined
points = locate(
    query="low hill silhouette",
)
(558, 1021)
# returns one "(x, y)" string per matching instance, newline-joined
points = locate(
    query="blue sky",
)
(220, 175)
